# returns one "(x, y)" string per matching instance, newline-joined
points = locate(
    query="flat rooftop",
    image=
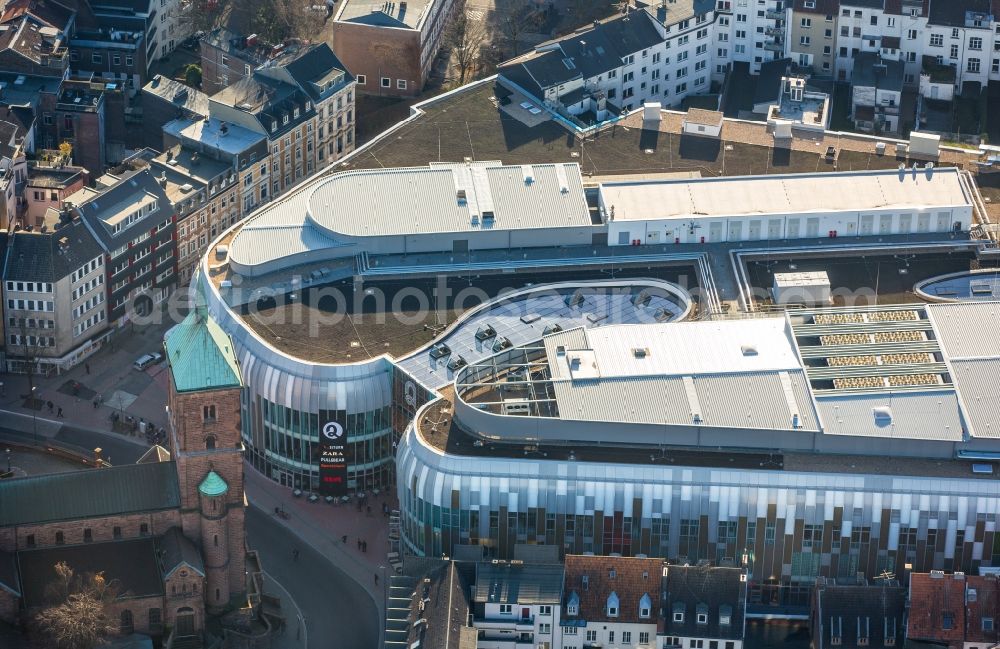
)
(785, 194)
(234, 140)
(461, 197)
(405, 14)
(363, 326)
(438, 429)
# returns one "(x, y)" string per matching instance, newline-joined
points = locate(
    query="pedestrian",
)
(343, 539)
(49, 404)
(86, 366)
(364, 546)
(376, 579)
(95, 403)
(359, 542)
(60, 413)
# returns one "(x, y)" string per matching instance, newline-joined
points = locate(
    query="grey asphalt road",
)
(339, 613)
(119, 450)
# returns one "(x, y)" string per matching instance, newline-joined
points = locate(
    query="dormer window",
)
(295, 112)
(573, 604)
(702, 614)
(613, 605)
(725, 615)
(274, 126)
(678, 612)
(284, 118)
(645, 606)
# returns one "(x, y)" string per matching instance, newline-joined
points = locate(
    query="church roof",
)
(177, 550)
(89, 493)
(201, 355)
(213, 485)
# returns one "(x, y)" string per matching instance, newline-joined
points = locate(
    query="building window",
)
(362, 79)
(218, 595)
(95, 58)
(591, 635)
(953, 52)
(88, 535)
(210, 442)
(126, 626)
(613, 605)
(144, 529)
(505, 609)
(60, 538)
(973, 66)
(947, 621)
(215, 540)
(386, 82)
(117, 532)
(937, 40)
(987, 624)
(401, 84)
(155, 620)
(644, 637)
(208, 414)
(30, 540)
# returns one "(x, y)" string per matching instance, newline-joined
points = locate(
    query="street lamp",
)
(34, 417)
(8, 460)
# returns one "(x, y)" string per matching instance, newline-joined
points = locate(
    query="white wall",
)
(789, 226)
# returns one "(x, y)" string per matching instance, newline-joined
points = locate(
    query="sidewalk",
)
(322, 525)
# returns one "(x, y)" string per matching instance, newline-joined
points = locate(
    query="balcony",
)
(775, 45)
(774, 14)
(487, 639)
(774, 31)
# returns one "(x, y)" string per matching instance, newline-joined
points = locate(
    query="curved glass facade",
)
(786, 527)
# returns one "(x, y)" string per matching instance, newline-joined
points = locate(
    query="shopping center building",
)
(598, 403)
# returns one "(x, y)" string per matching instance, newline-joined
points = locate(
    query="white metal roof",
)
(810, 278)
(684, 348)
(967, 329)
(464, 197)
(789, 194)
(932, 415)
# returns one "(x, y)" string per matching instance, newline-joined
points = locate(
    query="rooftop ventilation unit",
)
(749, 350)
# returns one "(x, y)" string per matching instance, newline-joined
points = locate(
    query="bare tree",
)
(79, 616)
(203, 15)
(465, 38)
(278, 21)
(515, 19)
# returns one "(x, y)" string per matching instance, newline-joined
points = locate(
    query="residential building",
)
(203, 193)
(391, 47)
(47, 187)
(227, 57)
(705, 606)
(612, 601)
(34, 38)
(132, 218)
(876, 93)
(14, 168)
(303, 103)
(54, 298)
(112, 53)
(812, 35)
(955, 610)
(854, 614)
(516, 603)
(962, 33)
(164, 100)
(170, 528)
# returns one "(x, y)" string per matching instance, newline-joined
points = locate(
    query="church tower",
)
(204, 412)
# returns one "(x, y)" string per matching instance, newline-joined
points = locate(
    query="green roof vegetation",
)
(201, 355)
(213, 485)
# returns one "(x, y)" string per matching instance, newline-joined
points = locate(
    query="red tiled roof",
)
(986, 605)
(633, 578)
(932, 600)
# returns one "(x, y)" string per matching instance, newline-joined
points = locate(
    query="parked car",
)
(146, 360)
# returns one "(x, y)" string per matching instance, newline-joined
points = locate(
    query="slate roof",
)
(131, 563)
(100, 206)
(508, 583)
(586, 53)
(200, 354)
(821, 7)
(952, 12)
(937, 600)
(178, 94)
(268, 100)
(177, 550)
(50, 256)
(89, 493)
(871, 70)
(311, 65)
(629, 578)
(854, 611)
(707, 589)
(768, 86)
(445, 596)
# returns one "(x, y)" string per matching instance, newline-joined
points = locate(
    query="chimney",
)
(163, 179)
